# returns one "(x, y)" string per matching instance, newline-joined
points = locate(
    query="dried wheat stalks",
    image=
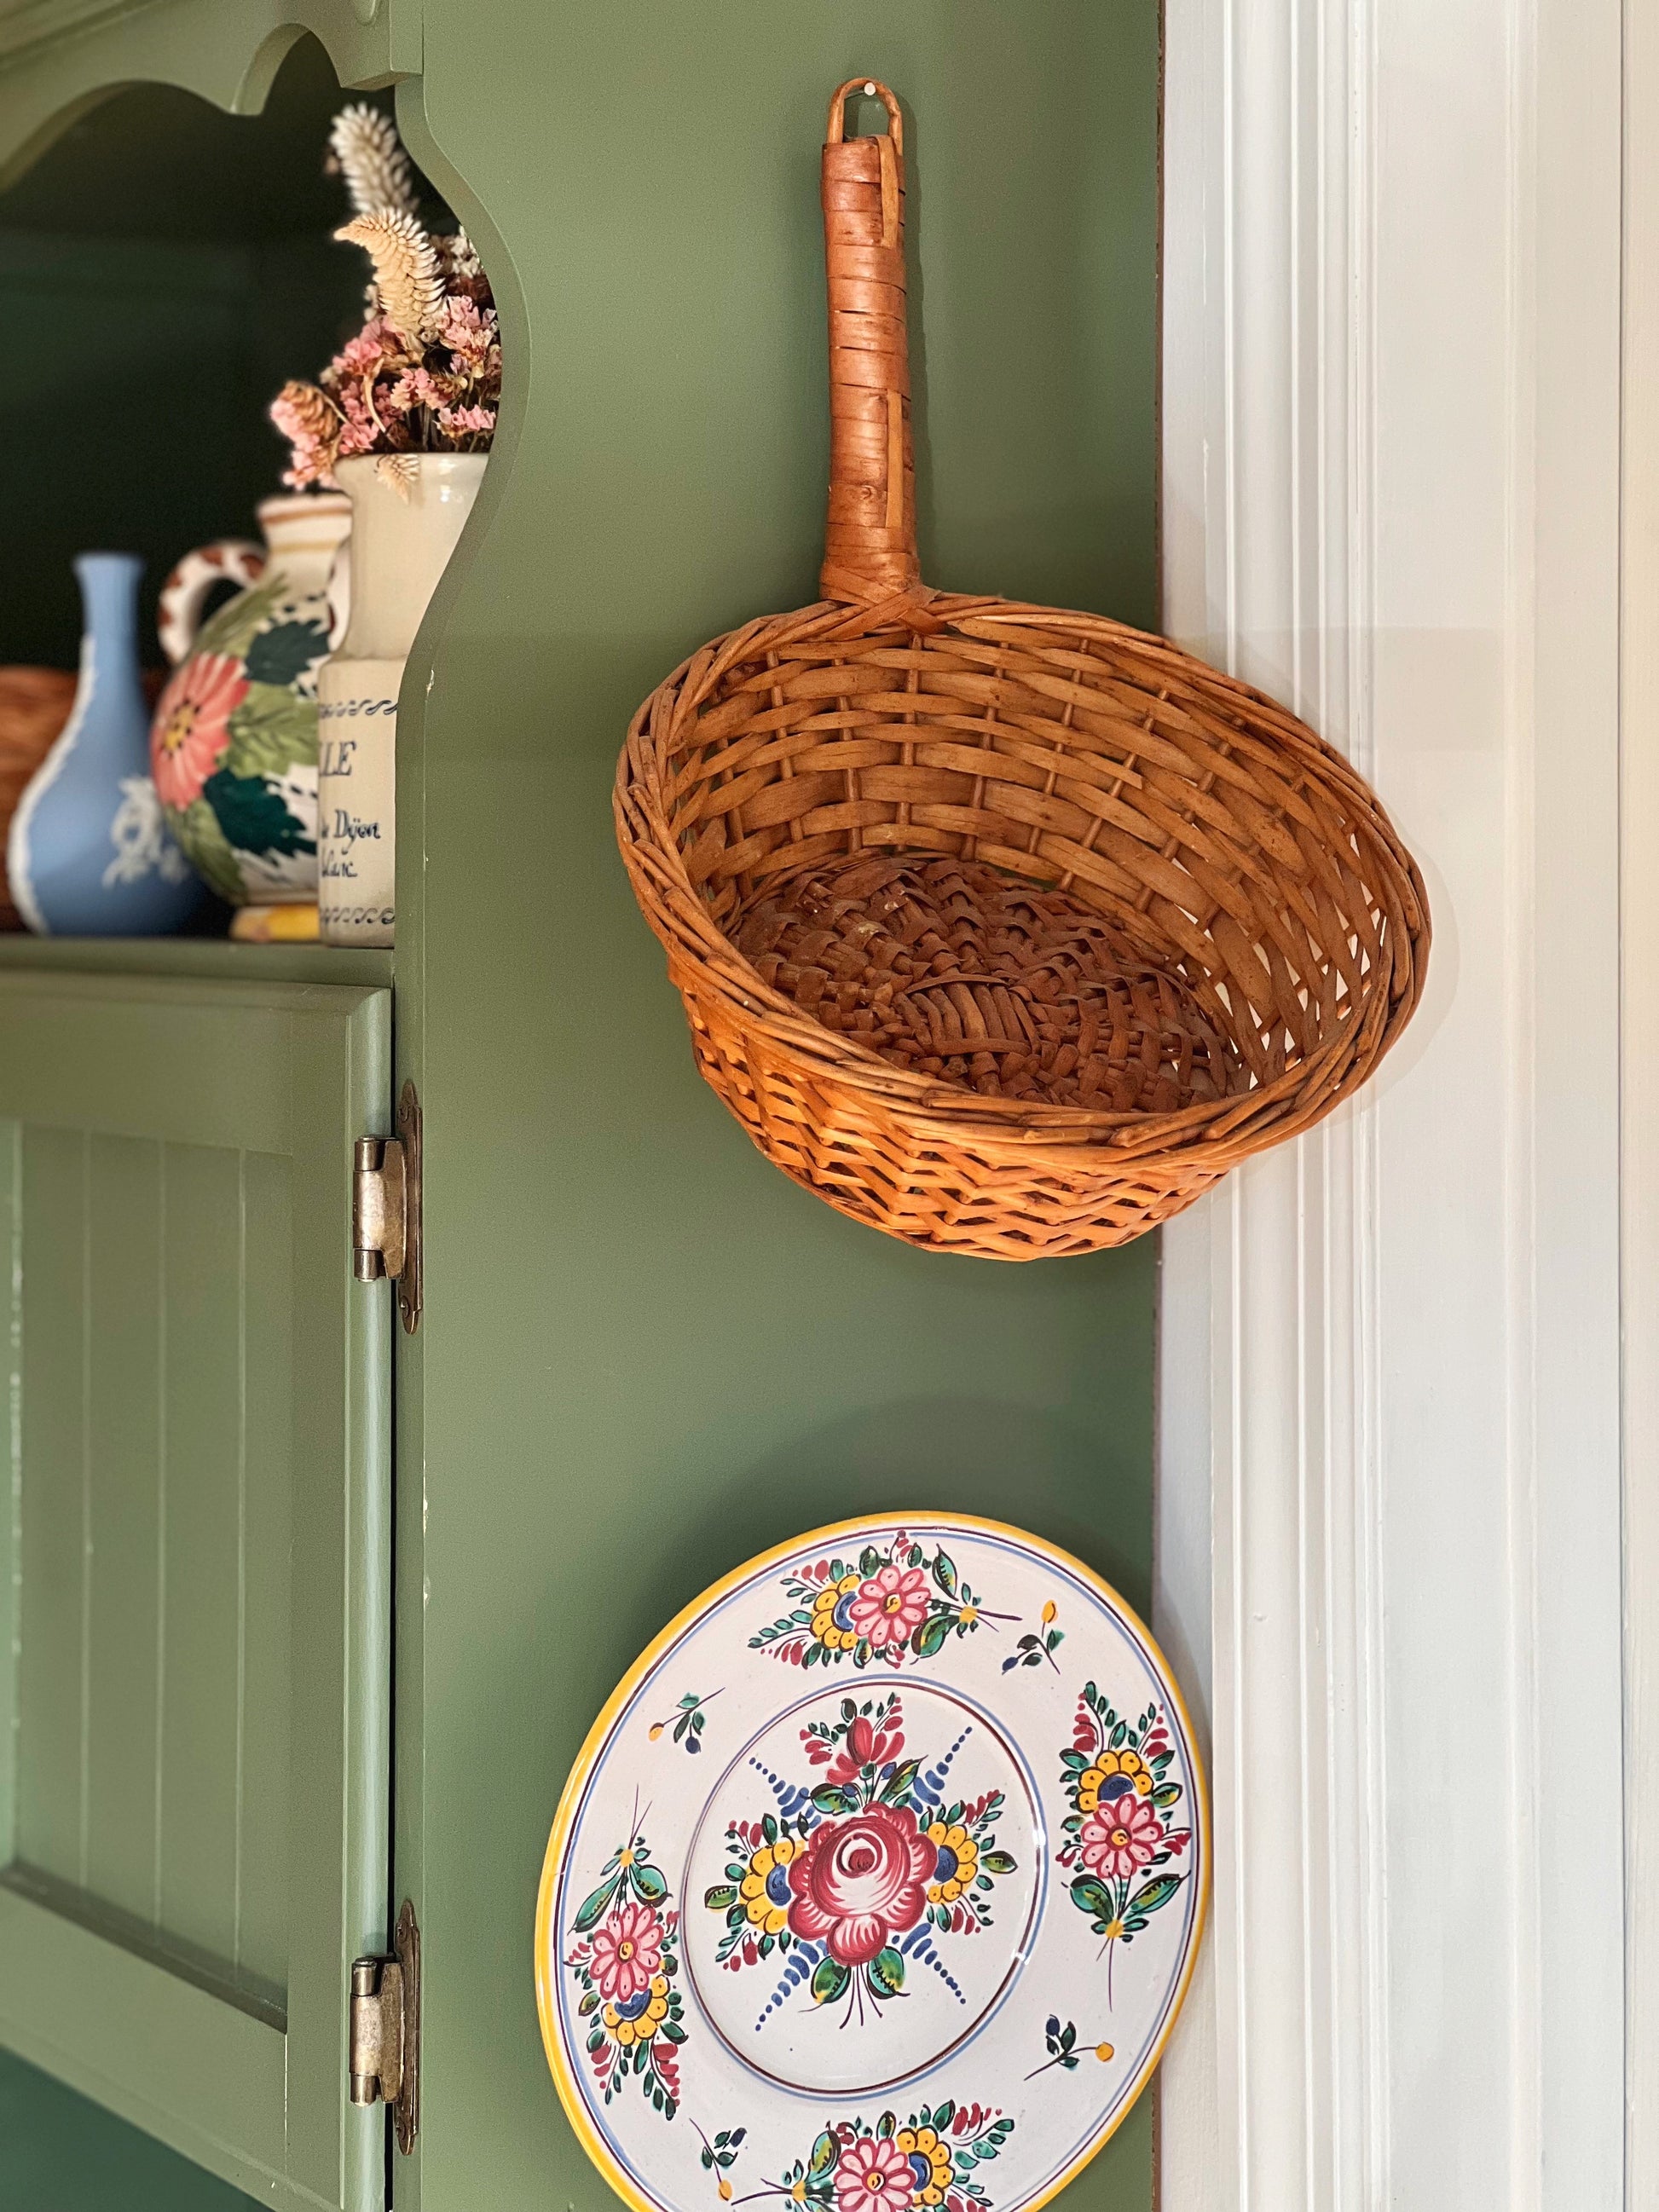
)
(374, 165)
(406, 272)
(312, 408)
(460, 256)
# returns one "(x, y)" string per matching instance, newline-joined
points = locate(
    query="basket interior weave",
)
(1179, 894)
(960, 971)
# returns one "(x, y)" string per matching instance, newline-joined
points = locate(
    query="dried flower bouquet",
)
(423, 375)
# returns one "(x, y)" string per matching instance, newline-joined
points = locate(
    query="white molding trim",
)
(1639, 1165)
(1388, 1517)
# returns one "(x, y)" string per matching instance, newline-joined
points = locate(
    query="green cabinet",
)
(194, 1629)
(60, 2152)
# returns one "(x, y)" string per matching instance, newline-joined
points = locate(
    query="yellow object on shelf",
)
(293, 924)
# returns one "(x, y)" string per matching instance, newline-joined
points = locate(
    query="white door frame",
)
(1639, 1165)
(1389, 1466)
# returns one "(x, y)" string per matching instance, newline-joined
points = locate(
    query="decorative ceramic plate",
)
(877, 1882)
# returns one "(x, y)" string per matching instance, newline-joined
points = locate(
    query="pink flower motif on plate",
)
(626, 1952)
(860, 1881)
(888, 1608)
(1121, 1837)
(192, 728)
(873, 2175)
(863, 1747)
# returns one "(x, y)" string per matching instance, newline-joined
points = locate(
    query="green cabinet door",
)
(194, 1639)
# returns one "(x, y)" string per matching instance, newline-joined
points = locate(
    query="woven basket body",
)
(837, 821)
(35, 705)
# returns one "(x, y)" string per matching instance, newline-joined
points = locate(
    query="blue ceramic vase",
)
(89, 855)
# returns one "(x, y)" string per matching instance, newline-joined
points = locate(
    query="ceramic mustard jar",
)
(405, 526)
(234, 741)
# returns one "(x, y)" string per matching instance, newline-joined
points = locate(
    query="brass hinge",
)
(386, 1209)
(385, 2056)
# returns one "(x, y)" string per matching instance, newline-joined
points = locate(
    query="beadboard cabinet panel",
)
(124, 1584)
(193, 1741)
(152, 1718)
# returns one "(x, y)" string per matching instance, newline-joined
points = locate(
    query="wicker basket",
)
(1007, 931)
(35, 705)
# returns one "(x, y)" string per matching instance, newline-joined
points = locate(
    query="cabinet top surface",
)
(214, 959)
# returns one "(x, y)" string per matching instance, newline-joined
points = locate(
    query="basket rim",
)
(1215, 1130)
(924, 610)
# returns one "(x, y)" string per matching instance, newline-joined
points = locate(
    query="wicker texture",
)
(1006, 930)
(35, 705)
(955, 969)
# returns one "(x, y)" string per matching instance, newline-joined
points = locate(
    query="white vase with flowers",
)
(401, 420)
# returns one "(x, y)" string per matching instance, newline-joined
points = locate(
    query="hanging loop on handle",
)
(871, 90)
(870, 528)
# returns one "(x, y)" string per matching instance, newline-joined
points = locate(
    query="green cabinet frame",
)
(194, 1562)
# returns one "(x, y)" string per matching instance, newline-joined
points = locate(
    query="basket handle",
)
(870, 526)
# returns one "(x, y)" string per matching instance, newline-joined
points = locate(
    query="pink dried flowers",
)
(424, 372)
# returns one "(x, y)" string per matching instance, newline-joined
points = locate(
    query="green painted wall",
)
(646, 1353)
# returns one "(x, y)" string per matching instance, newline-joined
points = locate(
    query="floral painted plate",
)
(877, 1882)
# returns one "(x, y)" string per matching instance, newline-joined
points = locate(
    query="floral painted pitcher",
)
(234, 744)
